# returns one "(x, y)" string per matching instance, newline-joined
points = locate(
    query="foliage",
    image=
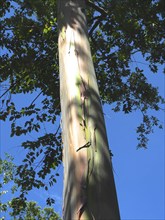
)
(7, 170)
(33, 212)
(18, 208)
(30, 211)
(118, 31)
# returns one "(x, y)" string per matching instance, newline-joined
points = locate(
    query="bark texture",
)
(89, 188)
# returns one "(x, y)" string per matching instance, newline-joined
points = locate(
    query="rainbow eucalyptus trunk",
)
(89, 188)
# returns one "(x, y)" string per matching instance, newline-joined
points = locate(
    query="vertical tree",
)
(89, 188)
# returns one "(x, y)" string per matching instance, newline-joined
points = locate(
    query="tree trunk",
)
(89, 188)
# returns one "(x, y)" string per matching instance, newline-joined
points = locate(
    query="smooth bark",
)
(89, 188)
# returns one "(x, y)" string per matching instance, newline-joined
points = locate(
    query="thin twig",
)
(36, 98)
(5, 92)
(96, 7)
(95, 25)
(57, 130)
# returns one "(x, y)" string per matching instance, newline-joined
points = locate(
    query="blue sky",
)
(139, 173)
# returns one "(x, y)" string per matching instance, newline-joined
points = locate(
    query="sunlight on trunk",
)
(89, 189)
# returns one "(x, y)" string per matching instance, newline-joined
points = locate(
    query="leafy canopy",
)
(118, 31)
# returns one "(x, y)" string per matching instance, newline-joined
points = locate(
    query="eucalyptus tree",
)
(88, 175)
(117, 30)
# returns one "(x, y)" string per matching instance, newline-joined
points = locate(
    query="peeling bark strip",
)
(89, 189)
(88, 144)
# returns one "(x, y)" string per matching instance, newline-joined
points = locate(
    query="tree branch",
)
(96, 7)
(5, 92)
(95, 25)
(36, 98)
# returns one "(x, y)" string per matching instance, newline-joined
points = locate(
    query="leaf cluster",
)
(19, 208)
